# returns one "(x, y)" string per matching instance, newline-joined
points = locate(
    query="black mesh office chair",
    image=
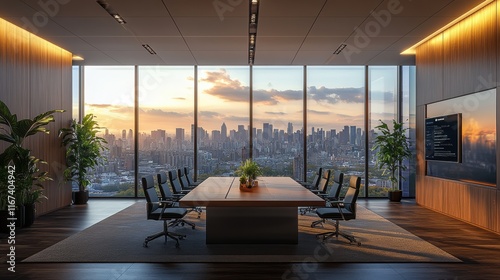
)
(175, 183)
(323, 182)
(343, 210)
(321, 189)
(191, 181)
(184, 180)
(313, 185)
(334, 192)
(160, 211)
(167, 195)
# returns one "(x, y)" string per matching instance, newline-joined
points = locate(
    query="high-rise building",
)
(223, 132)
(352, 134)
(179, 134)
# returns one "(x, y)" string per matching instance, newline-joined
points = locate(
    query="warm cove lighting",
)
(77, 58)
(412, 49)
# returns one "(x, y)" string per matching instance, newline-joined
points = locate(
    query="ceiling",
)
(215, 32)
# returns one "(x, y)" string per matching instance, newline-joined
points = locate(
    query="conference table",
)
(266, 215)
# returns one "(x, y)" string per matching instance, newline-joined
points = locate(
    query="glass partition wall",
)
(290, 119)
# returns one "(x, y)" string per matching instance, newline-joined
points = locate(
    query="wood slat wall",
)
(461, 60)
(35, 77)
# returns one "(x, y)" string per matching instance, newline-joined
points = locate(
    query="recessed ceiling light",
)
(77, 57)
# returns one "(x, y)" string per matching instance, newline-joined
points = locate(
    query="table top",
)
(271, 192)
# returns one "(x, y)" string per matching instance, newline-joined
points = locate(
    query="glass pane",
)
(166, 102)
(382, 104)
(408, 80)
(223, 119)
(109, 95)
(335, 120)
(278, 120)
(76, 92)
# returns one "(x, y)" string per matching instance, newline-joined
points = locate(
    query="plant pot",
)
(245, 188)
(29, 215)
(80, 197)
(395, 195)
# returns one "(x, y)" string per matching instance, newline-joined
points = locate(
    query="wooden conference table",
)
(268, 214)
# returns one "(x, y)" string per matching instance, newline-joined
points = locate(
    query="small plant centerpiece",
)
(391, 149)
(84, 152)
(248, 171)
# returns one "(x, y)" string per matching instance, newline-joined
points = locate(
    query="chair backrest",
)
(183, 178)
(323, 181)
(174, 181)
(188, 177)
(165, 191)
(352, 194)
(338, 180)
(148, 185)
(316, 179)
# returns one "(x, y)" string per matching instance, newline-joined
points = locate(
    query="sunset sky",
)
(166, 100)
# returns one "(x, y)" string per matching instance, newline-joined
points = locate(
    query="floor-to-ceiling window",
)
(278, 119)
(382, 102)
(408, 102)
(166, 104)
(109, 95)
(75, 93)
(172, 100)
(335, 119)
(223, 119)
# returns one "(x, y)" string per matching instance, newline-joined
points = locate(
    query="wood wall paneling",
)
(457, 44)
(468, 64)
(430, 71)
(484, 47)
(36, 77)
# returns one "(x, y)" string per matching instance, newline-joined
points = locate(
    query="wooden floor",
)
(478, 249)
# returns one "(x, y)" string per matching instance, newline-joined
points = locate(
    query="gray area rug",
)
(119, 238)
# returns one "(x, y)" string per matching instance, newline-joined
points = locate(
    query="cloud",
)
(276, 113)
(99, 105)
(337, 95)
(228, 89)
(161, 113)
(315, 112)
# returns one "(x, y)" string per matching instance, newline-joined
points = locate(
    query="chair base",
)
(166, 233)
(181, 222)
(327, 235)
(318, 222)
(304, 210)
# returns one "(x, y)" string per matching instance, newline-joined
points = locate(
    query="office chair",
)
(175, 183)
(160, 211)
(313, 185)
(334, 192)
(344, 210)
(184, 180)
(167, 195)
(321, 189)
(191, 182)
(323, 183)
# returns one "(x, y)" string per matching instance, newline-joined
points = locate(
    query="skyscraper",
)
(223, 132)
(352, 139)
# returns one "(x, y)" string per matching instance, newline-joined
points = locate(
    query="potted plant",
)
(27, 175)
(84, 152)
(249, 169)
(392, 148)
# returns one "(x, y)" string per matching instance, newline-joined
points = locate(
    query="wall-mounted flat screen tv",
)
(443, 138)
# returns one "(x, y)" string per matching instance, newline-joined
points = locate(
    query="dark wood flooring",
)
(477, 248)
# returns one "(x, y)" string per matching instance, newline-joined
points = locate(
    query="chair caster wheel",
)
(182, 224)
(145, 245)
(359, 244)
(177, 245)
(193, 227)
